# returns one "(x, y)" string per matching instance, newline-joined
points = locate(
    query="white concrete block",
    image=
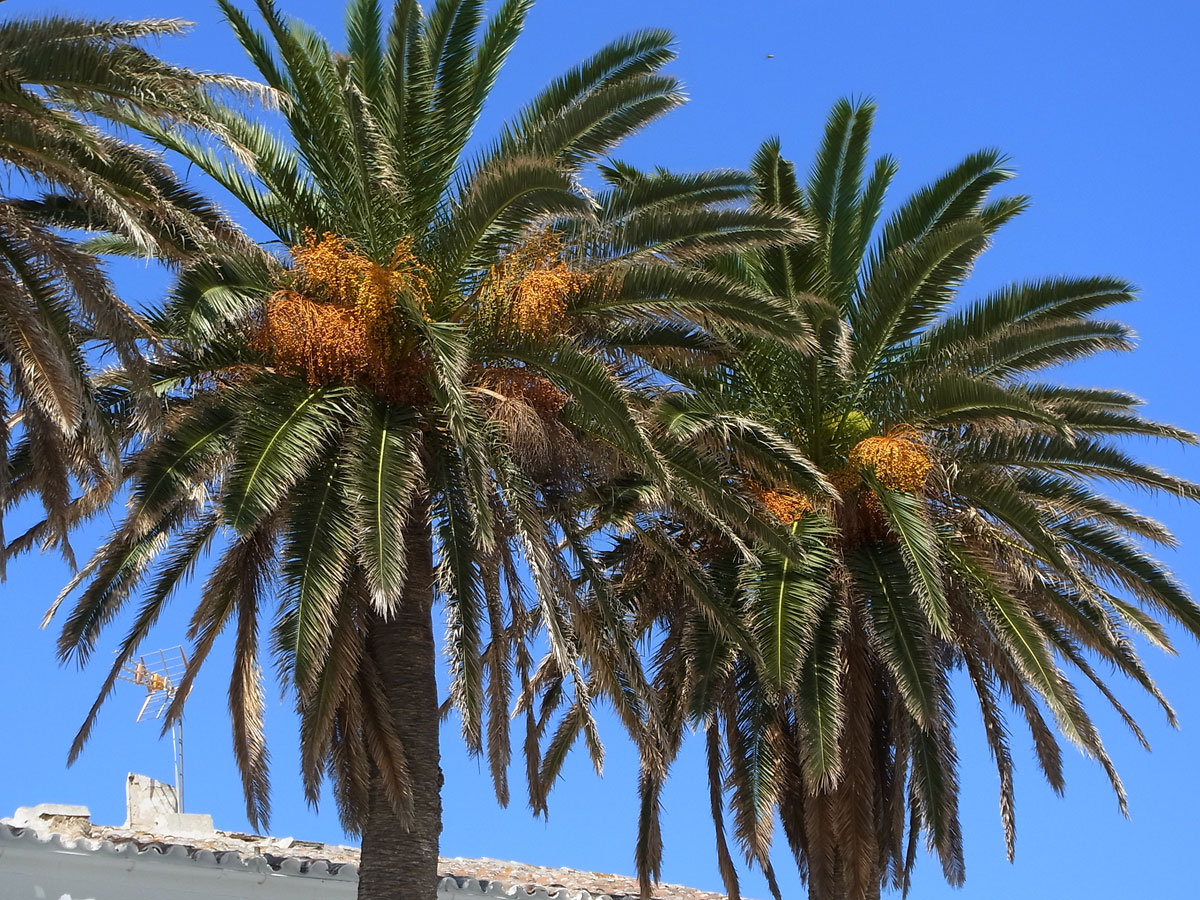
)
(184, 825)
(146, 800)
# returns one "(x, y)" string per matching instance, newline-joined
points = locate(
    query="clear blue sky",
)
(1096, 103)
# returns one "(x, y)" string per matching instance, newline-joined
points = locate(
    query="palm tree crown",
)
(959, 525)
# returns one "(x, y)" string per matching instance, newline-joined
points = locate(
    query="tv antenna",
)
(160, 673)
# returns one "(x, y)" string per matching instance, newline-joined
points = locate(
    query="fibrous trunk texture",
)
(399, 860)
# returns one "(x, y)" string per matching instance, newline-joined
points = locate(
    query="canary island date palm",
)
(382, 423)
(970, 532)
(59, 77)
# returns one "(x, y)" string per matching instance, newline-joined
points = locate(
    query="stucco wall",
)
(33, 870)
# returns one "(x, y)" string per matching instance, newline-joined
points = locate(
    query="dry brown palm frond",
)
(50, 471)
(716, 799)
(246, 708)
(996, 733)
(498, 660)
(350, 759)
(648, 849)
(40, 369)
(792, 799)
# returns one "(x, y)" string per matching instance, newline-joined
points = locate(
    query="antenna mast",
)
(161, 677)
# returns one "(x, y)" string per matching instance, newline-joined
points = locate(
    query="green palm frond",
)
(387, 472)
(64, 81)
(316, 559)
(961, 506)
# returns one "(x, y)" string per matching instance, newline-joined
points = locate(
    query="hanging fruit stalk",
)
(537, 391)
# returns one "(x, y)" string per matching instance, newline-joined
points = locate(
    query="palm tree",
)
(389, 420)
(968, 532)
(57, 307)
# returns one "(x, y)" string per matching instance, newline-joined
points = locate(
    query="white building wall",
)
(31, 869)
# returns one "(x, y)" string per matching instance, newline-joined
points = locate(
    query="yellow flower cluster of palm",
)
(899, 460)
(335, 321)
(328, 344)
(786, 506)
(527, 290)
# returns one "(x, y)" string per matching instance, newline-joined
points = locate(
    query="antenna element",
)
(161, 677)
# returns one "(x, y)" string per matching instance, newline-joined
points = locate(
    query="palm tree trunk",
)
(399, 862)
